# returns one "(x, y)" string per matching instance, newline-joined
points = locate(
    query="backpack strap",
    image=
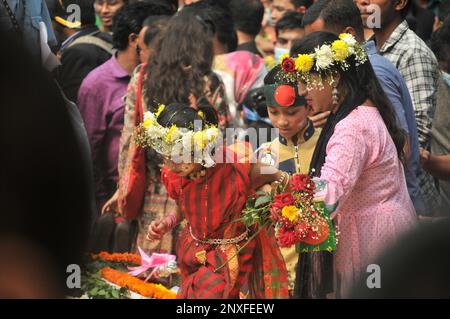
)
(92, 39)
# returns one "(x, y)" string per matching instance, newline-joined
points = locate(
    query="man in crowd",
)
(280, 7)
(288, 29)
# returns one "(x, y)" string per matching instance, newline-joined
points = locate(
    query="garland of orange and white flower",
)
(129, 258)
(323, 59)
(136, 285)
(169, 141)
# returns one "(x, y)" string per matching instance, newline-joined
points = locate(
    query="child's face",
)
(289, 120)
(182, 169)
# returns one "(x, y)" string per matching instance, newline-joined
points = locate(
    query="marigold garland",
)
(119, 257)
(134, 284)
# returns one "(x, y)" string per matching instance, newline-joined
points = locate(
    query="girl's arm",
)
(261, 174)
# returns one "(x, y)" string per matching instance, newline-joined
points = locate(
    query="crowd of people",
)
(364, 107)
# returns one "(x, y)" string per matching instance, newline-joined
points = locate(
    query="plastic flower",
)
(290, 212)
(324, 57)
(340, 49)
(161, 108)
(304, 63)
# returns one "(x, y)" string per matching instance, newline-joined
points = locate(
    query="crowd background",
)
(70, 87)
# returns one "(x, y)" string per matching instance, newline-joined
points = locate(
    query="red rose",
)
(283, 199)
(288, 65)
(302, 183)
(286, 238)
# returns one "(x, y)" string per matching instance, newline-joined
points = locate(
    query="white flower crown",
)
(175, 142)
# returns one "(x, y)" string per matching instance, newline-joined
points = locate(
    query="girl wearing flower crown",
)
(216, 254)
(359, 154)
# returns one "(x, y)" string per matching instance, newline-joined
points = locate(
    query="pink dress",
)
(366, 179)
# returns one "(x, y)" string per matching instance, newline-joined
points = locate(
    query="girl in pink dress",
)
(359, 154)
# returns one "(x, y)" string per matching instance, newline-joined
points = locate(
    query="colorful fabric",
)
(366, 179)
(281, 154)
(240, 72)
(209, 205)
(156, 202)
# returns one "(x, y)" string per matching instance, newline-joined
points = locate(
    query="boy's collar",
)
(309, 132)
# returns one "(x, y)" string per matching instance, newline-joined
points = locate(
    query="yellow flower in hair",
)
(290, 212)
(200, 139)
(147, 123)
(304, 63)
(201, 115)
(172, 134)
(284, 57)
(340, 49)
(161, 108)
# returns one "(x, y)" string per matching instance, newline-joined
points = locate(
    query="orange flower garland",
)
(121, 258)
(139, 286)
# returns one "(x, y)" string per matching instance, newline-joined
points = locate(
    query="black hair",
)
(130, 17)
(155, 25)
(183, 57)
(440, 45)
(219, 13)
(247, 15)
(271, 77)
(336, 14)
(300, 3)
(357, 80)
(405, 11)
(182, 115)
(290, 20)
(87, 10)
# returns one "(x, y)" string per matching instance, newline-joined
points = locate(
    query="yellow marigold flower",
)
(161, 108)
(170, 134)
(147, 123)
(284, 57)
(304, 63)
(290, 212)
(340, 49)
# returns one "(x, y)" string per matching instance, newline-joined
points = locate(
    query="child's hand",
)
(156, 230)
(265, 188)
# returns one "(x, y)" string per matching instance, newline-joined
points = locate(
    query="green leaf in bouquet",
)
(261, 193)
(263, 200)
(93, 291)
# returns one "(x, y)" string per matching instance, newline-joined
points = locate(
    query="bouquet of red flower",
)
(297, 217)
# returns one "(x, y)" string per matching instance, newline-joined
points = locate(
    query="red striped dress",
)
(208, 204)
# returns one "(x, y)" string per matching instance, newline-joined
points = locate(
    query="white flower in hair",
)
(324, 57)
(350, 40)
